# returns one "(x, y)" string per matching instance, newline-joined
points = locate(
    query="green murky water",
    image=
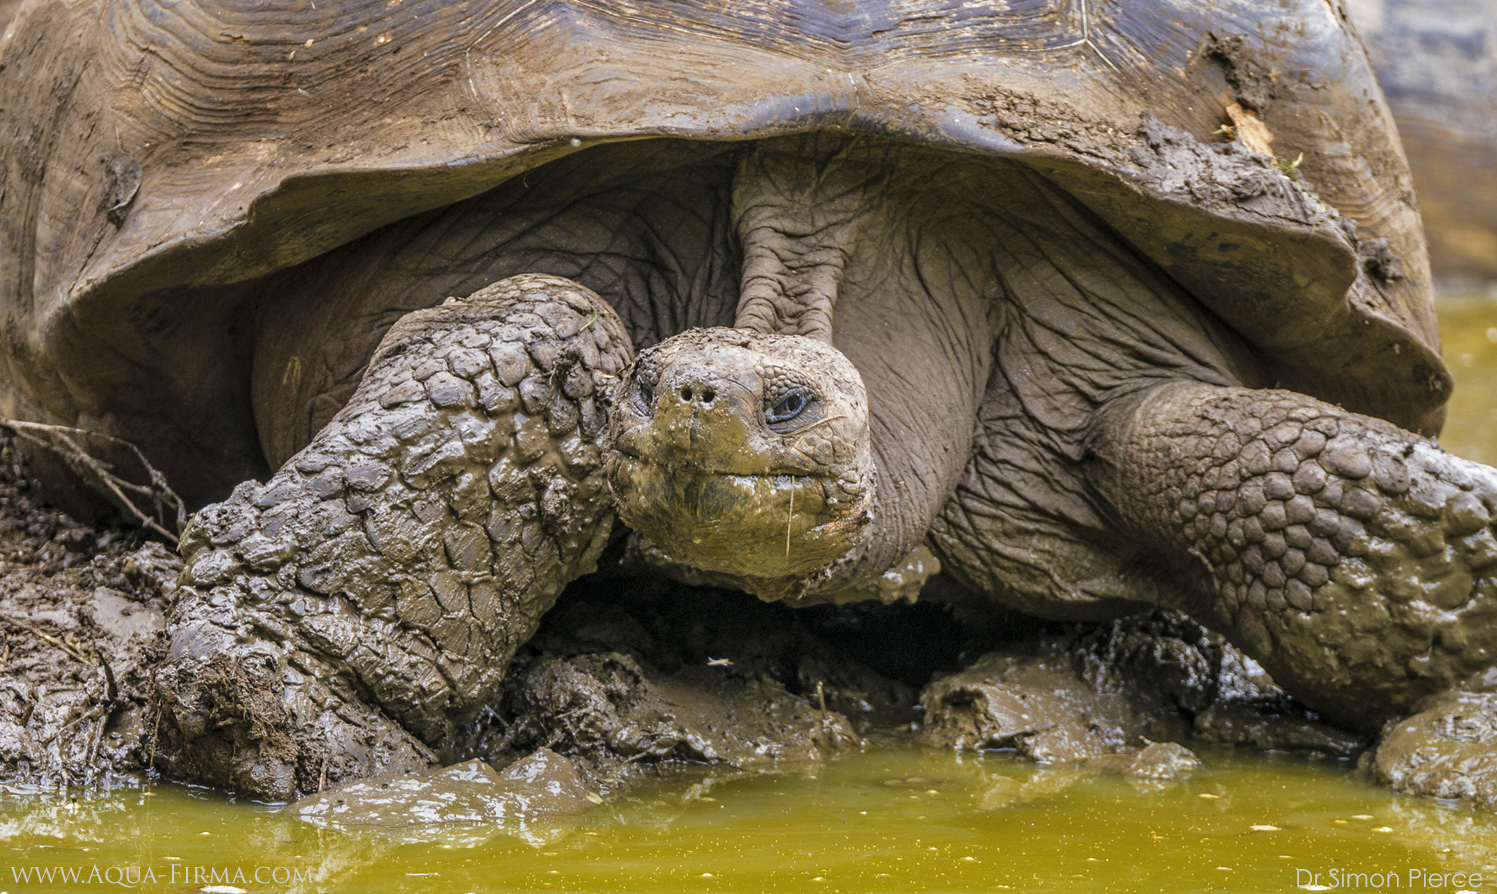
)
(887, 820)
(899, 820)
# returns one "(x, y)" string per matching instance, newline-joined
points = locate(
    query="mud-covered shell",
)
(156, 154)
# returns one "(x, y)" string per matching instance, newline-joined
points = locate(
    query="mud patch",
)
(79, 609)
(1157, 761)
(1173, 664)
(1444, 751)
(1036, 703)
(1254, 81)
(630, 677)
(1103, 697)
(545, 784)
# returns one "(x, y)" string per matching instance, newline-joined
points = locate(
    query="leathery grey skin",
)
(1353, 559)
(344, 617)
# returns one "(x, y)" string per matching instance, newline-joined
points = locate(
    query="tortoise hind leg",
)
(1353, 559)
(342, 620)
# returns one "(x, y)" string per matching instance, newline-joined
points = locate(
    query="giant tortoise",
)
(809, 295)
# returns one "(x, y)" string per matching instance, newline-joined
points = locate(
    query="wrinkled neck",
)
(829, 222)
(799, 205)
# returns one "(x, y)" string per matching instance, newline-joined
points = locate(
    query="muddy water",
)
(897, 820)
(892, 819)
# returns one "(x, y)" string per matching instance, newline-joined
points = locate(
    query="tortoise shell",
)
(160, 156)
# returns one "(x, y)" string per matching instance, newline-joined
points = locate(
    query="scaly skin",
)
(1353, 559)
(341, 620)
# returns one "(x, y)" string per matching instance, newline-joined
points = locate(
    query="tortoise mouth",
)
(682, 463)
(759, 526)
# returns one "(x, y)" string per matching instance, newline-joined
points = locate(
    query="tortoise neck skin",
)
(830, 499)
(796, 214)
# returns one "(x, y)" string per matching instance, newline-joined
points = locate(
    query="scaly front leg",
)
(343, 619)
(1354, 560)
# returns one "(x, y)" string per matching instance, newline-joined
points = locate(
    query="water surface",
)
(893, 820)
(1468, 330)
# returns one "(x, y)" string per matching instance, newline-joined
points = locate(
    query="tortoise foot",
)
(346, 618)
(255, 715)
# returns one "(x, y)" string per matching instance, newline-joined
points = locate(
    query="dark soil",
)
(626, 676)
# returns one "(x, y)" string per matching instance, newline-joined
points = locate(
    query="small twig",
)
(70, 649)
(163, 498)
(790, 517)
(92, 712)
(93, 748)
(151, 761)
(111, 689)
(816, 423)
(111, 698)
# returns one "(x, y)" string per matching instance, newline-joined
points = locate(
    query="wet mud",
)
(79, 610)
(542, 785)
(628, 676)
(1445, 751)
(1089, 695)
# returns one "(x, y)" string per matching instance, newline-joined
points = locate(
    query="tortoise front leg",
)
(1354, 560)
(342, 620)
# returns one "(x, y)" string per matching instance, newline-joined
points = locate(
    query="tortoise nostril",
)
(701, 395)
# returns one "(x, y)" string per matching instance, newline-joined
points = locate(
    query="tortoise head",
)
(743, 453)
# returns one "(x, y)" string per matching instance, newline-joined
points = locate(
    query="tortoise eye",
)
(644, 395)
(790, 406)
